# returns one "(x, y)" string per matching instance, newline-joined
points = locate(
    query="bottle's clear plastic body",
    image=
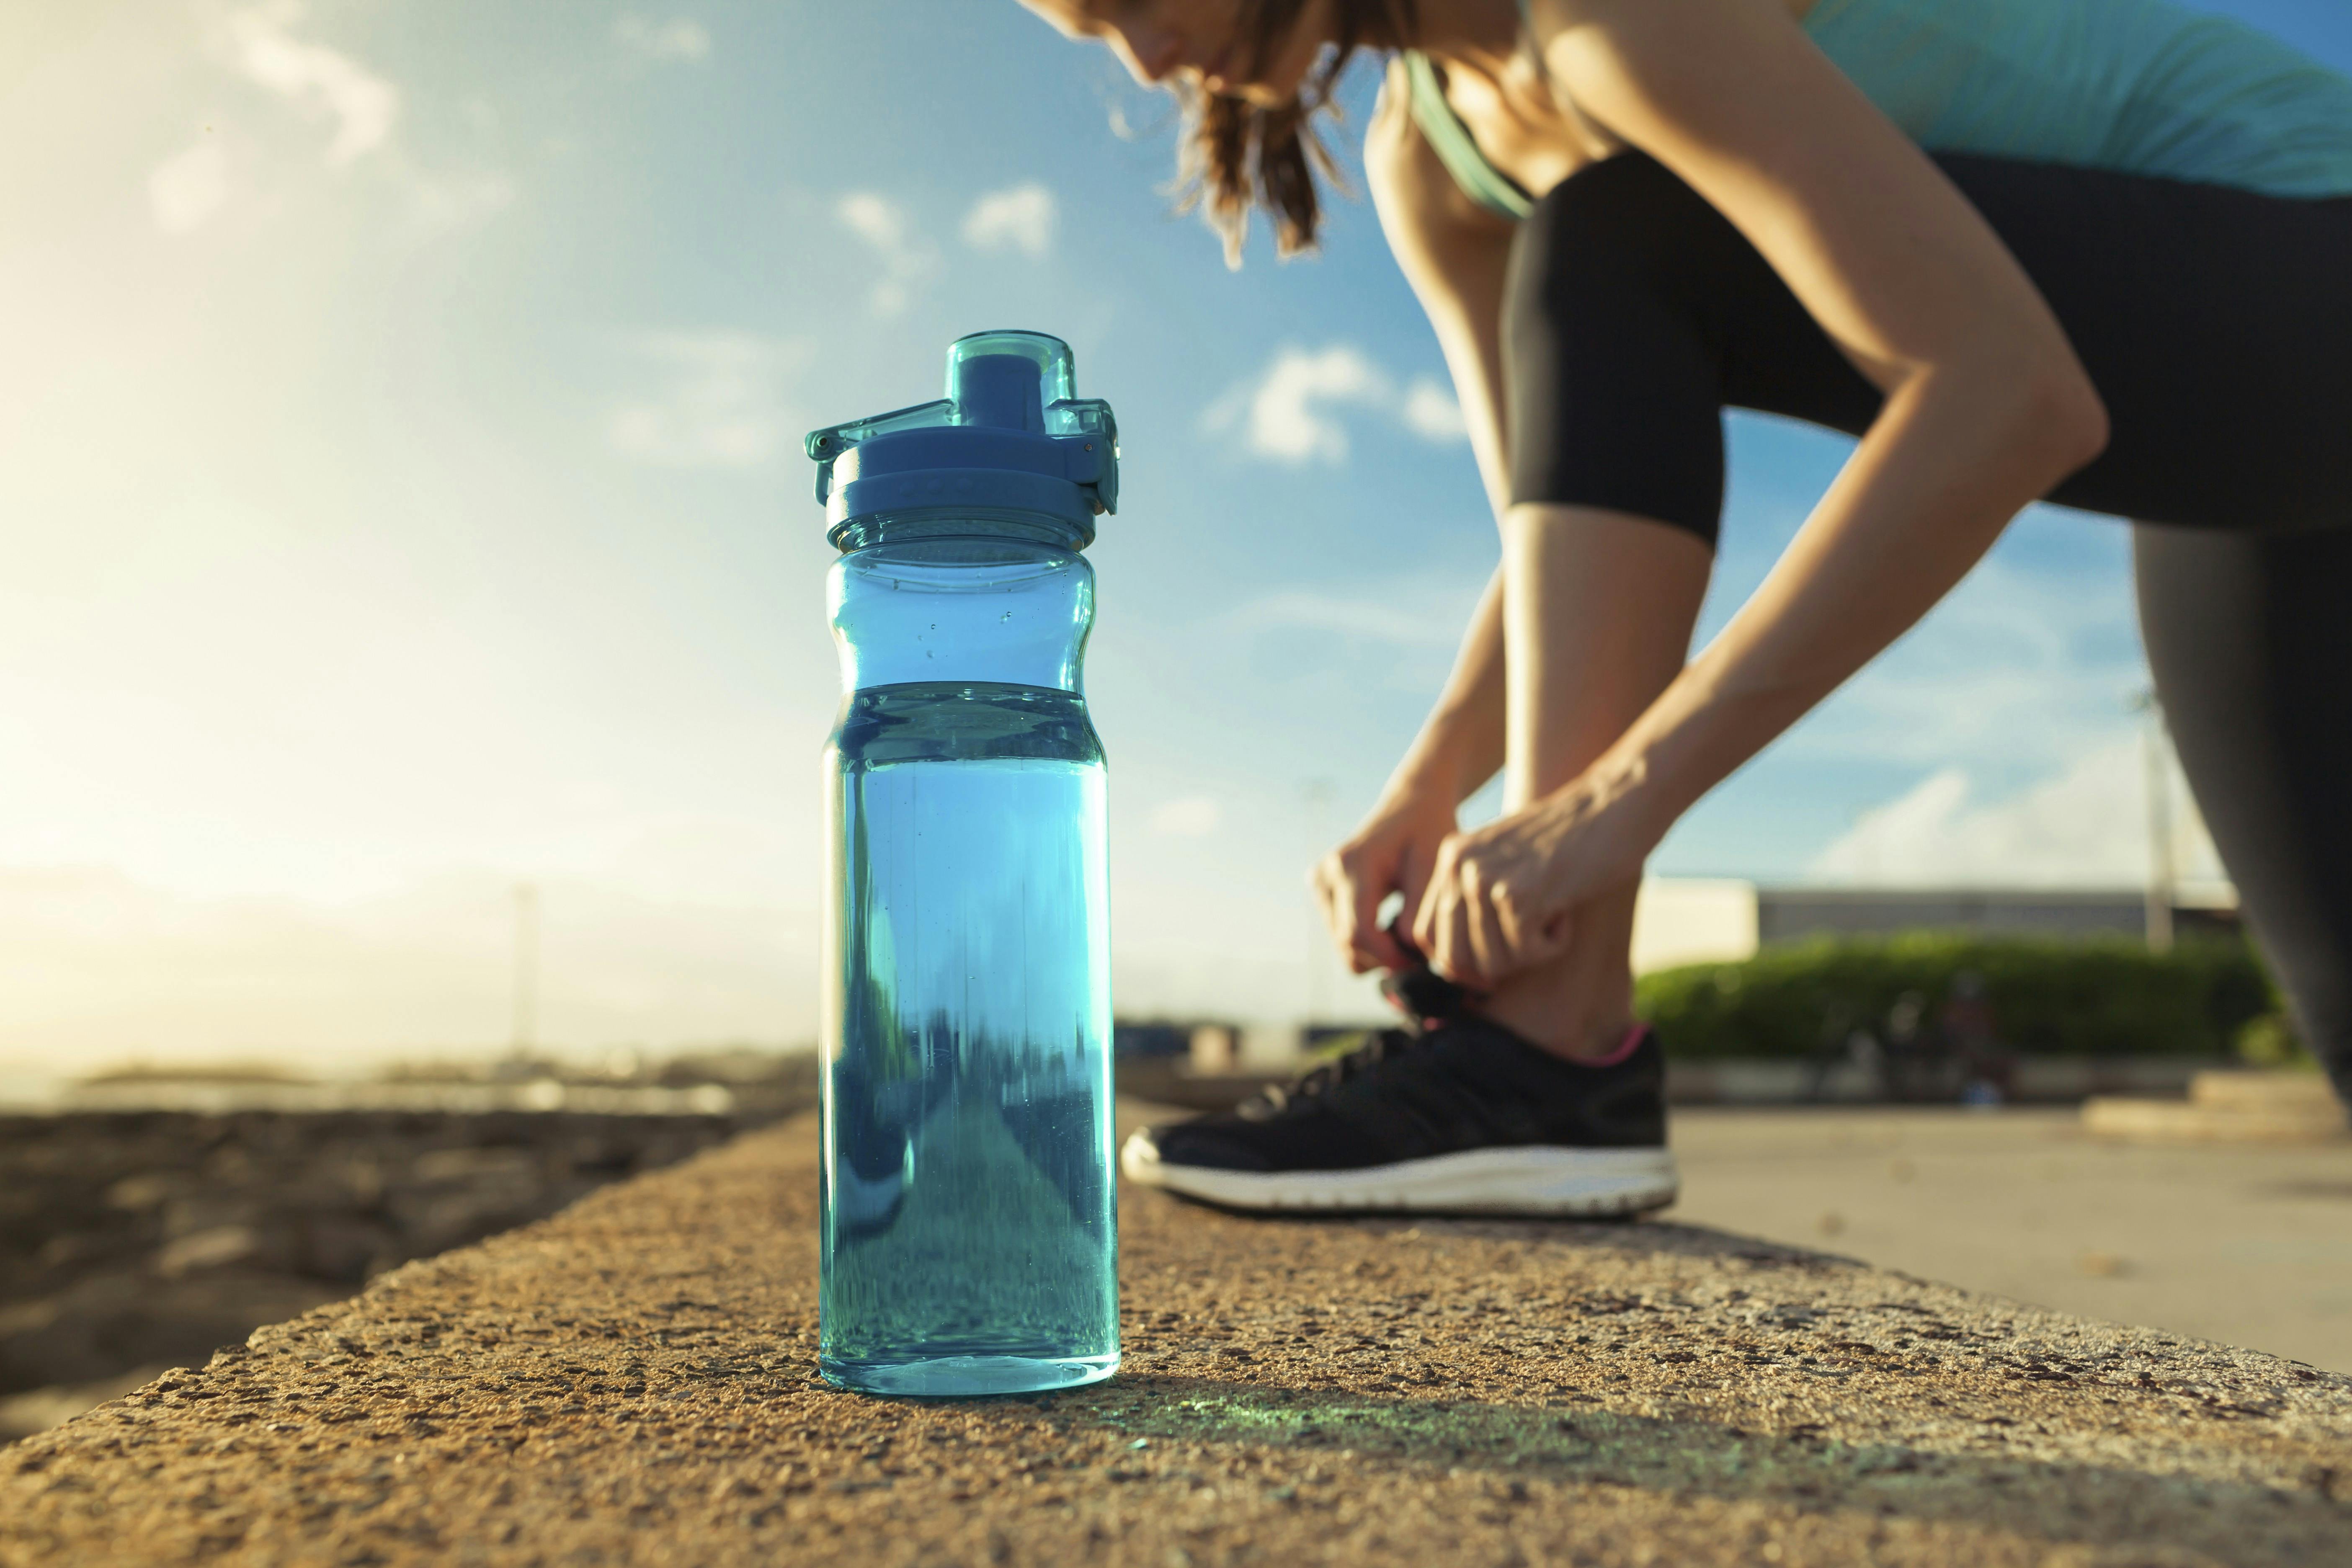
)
(969, 1244)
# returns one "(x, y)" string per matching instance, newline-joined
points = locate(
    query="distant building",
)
(1790, 914)
(1698, 920)
(1684, 919)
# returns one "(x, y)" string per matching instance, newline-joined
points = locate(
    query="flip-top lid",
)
(1008, 437)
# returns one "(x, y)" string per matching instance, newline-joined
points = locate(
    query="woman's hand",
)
(1500, 897)
(1392, 852)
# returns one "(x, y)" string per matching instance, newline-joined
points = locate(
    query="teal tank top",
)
(2142, 87)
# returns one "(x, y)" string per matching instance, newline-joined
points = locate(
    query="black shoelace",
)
(1419, 992)
(1385, 1045)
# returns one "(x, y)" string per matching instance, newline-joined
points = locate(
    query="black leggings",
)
(2217, 325)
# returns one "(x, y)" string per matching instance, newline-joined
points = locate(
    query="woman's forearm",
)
(1461, 744)
(1956, 452)
(1952, 457)
(1987, 407)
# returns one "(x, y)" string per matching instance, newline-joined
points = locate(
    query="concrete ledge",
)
(2227, 1107)
(2183, 1121)
(630, 1382)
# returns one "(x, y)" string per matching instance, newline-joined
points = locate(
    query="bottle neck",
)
(936, 607)
(908, 527)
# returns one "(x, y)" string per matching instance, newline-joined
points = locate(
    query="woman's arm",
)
(1454, 255)
(1599, 606)
(1987, 409)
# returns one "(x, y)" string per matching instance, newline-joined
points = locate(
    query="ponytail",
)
(1236, 156)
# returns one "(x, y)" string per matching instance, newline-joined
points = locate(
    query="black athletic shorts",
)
(2215, 322)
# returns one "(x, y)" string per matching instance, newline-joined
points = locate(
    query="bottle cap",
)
(1008, 439)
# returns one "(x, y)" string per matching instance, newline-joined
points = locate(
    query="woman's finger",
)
(1449, 951)
(1482, 932)
(1429, 908)
(1370, 947)
(1437, 942)
(1412, 880)
(1348, 899)
(1507, 918)
(1324, 882)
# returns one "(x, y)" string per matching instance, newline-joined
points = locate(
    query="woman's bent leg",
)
(1616, 446)
(2250, 638)
(1598, 610)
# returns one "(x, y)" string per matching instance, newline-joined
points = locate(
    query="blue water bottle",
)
(970, 1245)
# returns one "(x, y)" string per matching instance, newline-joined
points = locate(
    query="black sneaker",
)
(1462, 1117)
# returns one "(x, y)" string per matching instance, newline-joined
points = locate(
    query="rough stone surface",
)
(136, 1239)
(631, 1382)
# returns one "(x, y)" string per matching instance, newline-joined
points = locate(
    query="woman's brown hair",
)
(1237, 156)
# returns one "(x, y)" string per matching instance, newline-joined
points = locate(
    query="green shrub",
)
(2049, 996)
(2270, 1041)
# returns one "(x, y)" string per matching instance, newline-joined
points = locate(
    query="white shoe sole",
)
(1525, 1181)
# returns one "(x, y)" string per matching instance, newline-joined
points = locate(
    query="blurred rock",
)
(22, 1415)
(214, 1248)
(137, 1239)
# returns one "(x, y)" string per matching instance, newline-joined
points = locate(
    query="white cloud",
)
(1431, 413)
(1285, 408)
(188, 187)
(1021, 219)
(259, 42)
(1194, 816)
(2087, 826)
(363, 105)
(720, 408)
(679, 39)
(1290, 413)
(908, 258)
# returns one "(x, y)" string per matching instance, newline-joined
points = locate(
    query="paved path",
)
(629, 1382)
(2247, 1243)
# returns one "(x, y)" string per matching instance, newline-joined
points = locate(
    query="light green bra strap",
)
(1452, 141)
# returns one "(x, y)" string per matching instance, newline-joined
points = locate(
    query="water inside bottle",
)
(966, 1202)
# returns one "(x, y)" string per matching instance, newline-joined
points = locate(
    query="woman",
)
(2094, 250)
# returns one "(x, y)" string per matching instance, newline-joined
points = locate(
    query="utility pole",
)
(526, 969)
(2155, 759)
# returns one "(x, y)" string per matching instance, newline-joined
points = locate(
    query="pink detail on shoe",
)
(1625, 1048)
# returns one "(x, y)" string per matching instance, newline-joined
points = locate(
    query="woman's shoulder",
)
(1391, 123)
(1409, 183)
(1393, 147)
(1395, 143)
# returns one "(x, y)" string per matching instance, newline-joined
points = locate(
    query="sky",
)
(401, 491)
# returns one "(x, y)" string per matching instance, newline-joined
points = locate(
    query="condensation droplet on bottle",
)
(1005, 616)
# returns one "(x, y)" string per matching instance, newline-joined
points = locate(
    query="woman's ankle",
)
(1580, 1028)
